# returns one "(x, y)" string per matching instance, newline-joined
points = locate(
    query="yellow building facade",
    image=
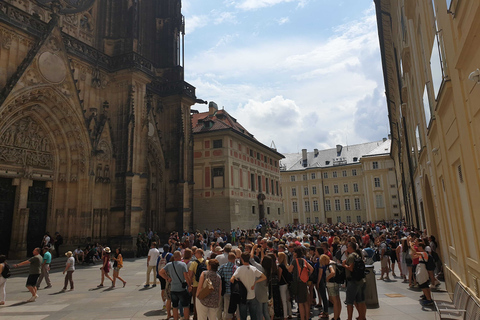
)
(430, 56)
(352, 184)
(237, 178)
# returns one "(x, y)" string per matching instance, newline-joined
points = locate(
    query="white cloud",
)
(224, 17)
(283, 20)
(257, 4)
(195, 22)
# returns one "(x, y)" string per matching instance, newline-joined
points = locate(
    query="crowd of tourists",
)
(267, 272)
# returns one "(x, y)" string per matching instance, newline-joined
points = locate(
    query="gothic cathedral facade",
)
(95, 130)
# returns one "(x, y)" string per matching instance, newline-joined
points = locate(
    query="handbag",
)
(207, 288)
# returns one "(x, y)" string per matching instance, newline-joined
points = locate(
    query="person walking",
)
(69, 269)
(3, 280)
(47, 260)
(105, 268)
(117, 265)
(152, 258)
(176, 273)
(34, 271)
(208, 306)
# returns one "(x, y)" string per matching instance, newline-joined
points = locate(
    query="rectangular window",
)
(251, 153)
(217, 144)
(344, 173)
(305, 191)
(304, 177)
(294, 206)
(325, 175)
(328, 206)
(307, 206)
(294, 192)
(335, 188)
(355, 187)
(314, 190)
(258, 156)
(359, 219)
(260, 184)
(375, 164)
(273, 190)
(266, 186)
(308, 220)
(394, 196)
(349, 219)
(276, 186)
(379, 201)
(292, 178)
(252, 181)
(339, 219)
(278, 209)
(253, 209)
(357, 204)
(395, 206)
(377, 182)
(217, 177)
(317, 220)
(337, 205)
(268, 210)
(334, 174)
(327, 190)
(315, 205)
(313, 175)
(345, 188)
(347, 204)
(354, 172)
(392, 186)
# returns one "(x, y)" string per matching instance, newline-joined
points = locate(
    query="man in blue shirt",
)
(176, 272)
(47, 259)
(226, 271)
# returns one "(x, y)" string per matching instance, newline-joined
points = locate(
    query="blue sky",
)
(301, 73)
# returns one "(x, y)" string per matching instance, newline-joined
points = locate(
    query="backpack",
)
(163, 259)
(358, 272)
(6, 271)
(340, 275)
(302, 272)
(430, 263)
(200, 268)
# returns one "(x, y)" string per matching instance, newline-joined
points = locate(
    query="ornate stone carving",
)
(67, 6)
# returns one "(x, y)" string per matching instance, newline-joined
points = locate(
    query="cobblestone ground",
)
(135, 302)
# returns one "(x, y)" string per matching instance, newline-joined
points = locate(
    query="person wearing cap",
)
(105, 268)
(47, 260)
(223, 258)
(69, 269)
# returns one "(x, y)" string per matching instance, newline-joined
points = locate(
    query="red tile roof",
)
(220, 120)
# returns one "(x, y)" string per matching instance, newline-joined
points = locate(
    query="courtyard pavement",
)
(87, 301)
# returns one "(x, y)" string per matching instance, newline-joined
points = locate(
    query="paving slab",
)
(87, 302)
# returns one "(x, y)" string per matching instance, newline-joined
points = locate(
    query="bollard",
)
(371, 294)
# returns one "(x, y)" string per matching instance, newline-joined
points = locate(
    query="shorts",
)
(424, 285)
(393, 257)
(384, 262)
(180, 296)
(355, 292)
(333, 289)
(32, 280)
(163, 282)
(116, 269)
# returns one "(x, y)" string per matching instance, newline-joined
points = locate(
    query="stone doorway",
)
(7, 204)
(37, 221)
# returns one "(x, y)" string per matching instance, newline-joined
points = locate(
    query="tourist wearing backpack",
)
(355, 282)
(4, 274)
(301, 271)
(333, 288)
(194, 272)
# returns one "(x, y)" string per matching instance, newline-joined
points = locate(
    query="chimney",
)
(384, 139)
(315, 152)
(212, 108)
(339, 149)
(304, 157)
(389, 136)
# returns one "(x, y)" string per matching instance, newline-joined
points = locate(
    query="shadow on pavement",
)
(18, 304)
(155, 313)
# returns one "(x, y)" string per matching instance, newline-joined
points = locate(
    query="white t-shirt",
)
(248, 275)
(222, 259)
(153, 254)
(77, 251)
(71, 261)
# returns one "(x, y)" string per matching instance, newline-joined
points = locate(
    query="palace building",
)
(95, 131)
(237, 178)
(345, 184)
